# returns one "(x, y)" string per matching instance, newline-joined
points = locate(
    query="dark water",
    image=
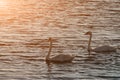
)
(25, 26)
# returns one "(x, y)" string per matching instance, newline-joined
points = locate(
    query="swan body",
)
(104, 48)
(61, 58)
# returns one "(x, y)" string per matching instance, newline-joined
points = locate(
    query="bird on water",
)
(61, 58)
(104, 48)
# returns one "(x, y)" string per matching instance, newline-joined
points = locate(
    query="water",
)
(27, 24)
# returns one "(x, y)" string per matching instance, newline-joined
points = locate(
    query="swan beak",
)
(86, 33)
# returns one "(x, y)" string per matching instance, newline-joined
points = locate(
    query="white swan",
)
(61, 58)
(105, 48)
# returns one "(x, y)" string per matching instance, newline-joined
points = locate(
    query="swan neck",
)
(49, 52)
(89, 44)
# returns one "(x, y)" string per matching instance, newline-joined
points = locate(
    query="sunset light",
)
(3, 3)
(59, 39)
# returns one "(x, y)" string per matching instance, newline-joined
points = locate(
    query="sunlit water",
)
(25, 26)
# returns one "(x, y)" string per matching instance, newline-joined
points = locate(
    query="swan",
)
(104, 48)
(61, 58)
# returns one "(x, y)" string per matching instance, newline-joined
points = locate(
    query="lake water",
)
(26, 25)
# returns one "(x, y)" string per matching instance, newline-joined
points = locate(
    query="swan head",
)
(88, 33)
(50, 39)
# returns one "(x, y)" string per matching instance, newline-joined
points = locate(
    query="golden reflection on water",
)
(7, 5)
(13, 11)
(3, 3)
(4, 6)
(23, 47)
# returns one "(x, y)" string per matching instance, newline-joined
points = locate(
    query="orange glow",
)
(3, 3)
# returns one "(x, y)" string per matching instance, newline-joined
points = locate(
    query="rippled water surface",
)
(25, 26)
